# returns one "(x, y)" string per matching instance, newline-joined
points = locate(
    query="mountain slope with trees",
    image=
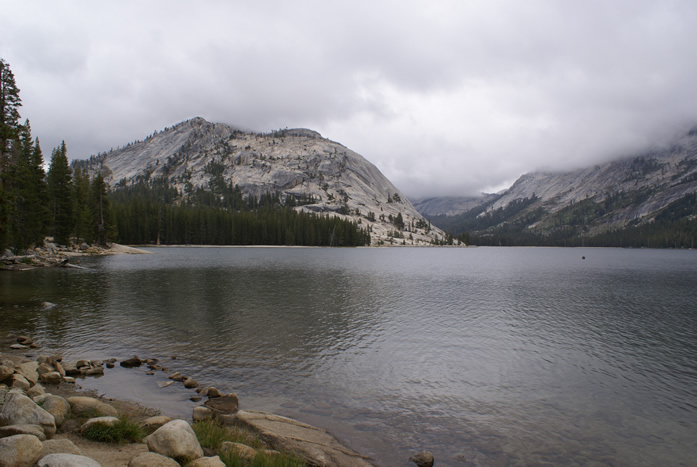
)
(648, 200)
(216, 165)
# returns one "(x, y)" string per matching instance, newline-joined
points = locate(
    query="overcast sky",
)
(445, 97)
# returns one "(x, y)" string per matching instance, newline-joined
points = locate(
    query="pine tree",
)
(9, 134)
(61, 195)
(84, 222)
(104, 227)
(30, 212)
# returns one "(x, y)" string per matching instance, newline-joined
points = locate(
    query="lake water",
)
(484, 356)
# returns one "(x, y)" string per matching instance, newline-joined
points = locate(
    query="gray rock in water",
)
(131, 362)
(20, 451)
(52, 377)
(67, 460)
(190, 383)
(423, 459)
(227, 404)
(315, 446)
(175, 439)
(19, 409)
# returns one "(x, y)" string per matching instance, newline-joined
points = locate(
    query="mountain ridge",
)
(298, 163)
(630, 192)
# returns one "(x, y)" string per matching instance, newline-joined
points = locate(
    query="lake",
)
(480, 355)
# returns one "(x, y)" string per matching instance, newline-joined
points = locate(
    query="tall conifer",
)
(61, 194)
(9, 133)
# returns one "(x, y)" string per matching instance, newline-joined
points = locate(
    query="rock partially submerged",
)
(313, 444)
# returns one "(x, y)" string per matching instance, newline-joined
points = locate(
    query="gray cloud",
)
(445, 97)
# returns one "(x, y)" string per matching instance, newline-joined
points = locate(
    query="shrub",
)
(123, 431)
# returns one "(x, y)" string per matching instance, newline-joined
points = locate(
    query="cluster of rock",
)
(53, 255)
(30, 416)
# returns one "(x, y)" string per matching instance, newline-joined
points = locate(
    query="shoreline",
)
(319, 447)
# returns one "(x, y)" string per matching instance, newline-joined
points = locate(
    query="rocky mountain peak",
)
(297, 163)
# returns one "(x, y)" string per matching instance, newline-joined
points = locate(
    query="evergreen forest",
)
(72, 207)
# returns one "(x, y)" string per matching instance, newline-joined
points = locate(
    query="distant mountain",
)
(646, 200)
(298, 165)
(451, 205)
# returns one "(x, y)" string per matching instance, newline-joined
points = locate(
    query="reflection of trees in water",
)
(78, 297)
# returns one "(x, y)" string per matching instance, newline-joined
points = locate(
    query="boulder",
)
(107, 421)
(70, 368)
(315, 446)
(190, 383)
(69, 379)
(67, 460)
(227, 404)
(20, 451)
(55, 405)
(422, 459)
(176, 376)
(23, 429)
(152, 459)
(52, 377)
(202, 413)
(28, 370)
(131, 362)
(5, 372)
(175, 439)
(19, 409)
(80, 404)
(36, 390)
(45, 368)
(18, 381)
(156, 422)
(59, 446)
(44, 359)
(59, 368)
(242, 450)
(207, 462)
(95, 371)
(212, 393)
(24, 340)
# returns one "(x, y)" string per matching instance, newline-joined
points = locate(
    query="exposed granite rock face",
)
(640, 186)
(294, 163)
(316, 446)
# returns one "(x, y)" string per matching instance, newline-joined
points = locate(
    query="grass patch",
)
(262, 459)
(212, 434)
(123, 431)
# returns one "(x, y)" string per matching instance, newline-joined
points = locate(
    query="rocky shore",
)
(52, 255)
(46, 420)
